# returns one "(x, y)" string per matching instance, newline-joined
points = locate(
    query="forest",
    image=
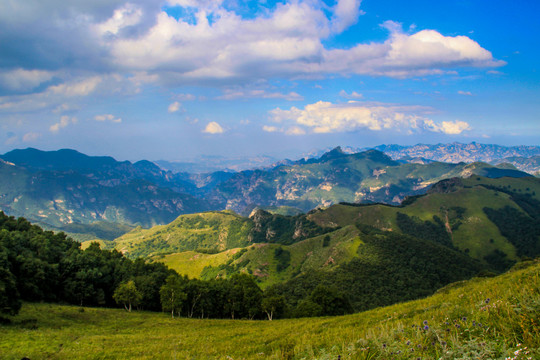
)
(41, 266)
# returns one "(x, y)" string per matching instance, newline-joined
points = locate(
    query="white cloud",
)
(326, 117)
(353, 95)
(454, 127)
(23, 80)
(346, 13)
(286, 42)
(64, 121)
(295, 130)
(212, 44)
(270, 128)
(80, 88)
(107, 117)
(174, 107)
(466, 93)
(31, 136)
(128, 15)
(213, 128)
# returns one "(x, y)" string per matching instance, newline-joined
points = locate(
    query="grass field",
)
(491, 318)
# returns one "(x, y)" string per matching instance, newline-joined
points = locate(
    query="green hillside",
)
(453, 214)
(488, 318)
(454, 208)
(209, 231)
(216, 231)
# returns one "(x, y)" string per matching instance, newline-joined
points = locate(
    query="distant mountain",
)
(458, 152)
(524, 158)
(64, 187)
(530, 165)
(337, 176)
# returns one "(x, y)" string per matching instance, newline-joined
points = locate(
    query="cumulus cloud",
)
(108, 117)
(213, 128)
(346, 13)
(174, 107)
(213, 44)
(326, 117)
(454, 127)
(466, 93)
(64, 121)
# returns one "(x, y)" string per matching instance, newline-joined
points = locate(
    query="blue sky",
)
(174, 79)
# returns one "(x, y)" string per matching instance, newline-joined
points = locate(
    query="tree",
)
(127, 294)
(10, 302)
(243, 296)
(172, 294)
(272, 305)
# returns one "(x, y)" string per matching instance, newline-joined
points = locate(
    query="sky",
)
(177, 79)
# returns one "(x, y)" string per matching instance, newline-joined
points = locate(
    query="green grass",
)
(509, 322)
(191, 263)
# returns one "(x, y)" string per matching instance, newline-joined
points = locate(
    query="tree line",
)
(38, 265)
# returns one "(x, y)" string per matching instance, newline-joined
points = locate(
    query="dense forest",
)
(391, 268)
(38, 265)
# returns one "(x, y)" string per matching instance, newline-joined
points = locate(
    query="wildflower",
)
(487, 300)
(457, 325)
(443, 343)
(464, 318)
(408, 342)
(425, 322)
(426, 327)
(384, 346)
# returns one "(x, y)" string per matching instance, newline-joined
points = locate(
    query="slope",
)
(488, 318)
(453, 213)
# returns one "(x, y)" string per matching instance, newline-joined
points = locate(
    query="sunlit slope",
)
(461, 209)
(488, 318)
(211, 231)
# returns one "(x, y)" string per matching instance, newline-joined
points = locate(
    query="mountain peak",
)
(335, 153)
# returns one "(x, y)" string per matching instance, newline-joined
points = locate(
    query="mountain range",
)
(70, 191)
(460, 227)
(524, 158)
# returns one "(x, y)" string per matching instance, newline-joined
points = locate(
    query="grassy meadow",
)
(484, 318)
